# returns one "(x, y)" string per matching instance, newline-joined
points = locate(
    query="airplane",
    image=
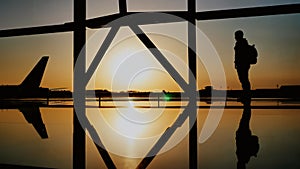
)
(30, 87)
(11, 97)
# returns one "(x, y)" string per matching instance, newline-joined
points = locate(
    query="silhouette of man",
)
(246, 144)
(241, 62)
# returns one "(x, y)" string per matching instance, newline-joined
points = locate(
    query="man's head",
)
(238, 35)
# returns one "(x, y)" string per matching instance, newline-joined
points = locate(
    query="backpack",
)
(252, 54)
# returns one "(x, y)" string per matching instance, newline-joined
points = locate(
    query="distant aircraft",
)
(30, 87)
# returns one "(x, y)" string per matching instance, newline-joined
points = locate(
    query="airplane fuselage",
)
(16, 91)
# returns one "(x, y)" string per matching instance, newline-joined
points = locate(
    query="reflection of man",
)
(246, 144)
(241, 62)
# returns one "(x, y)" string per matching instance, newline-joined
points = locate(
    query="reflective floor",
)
(277, 146)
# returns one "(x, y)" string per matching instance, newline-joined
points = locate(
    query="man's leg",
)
(243, 74)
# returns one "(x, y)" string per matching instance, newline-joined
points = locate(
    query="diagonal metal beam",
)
(160, 57)
(106, 157)
(100, 147)
(165, 137)
(101, 52)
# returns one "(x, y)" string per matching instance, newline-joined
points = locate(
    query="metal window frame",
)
(78, 27)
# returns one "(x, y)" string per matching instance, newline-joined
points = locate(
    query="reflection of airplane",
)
(30, 87)
(30, 111)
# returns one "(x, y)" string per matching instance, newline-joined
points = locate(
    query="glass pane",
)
(275, 38)
(18, 13)
(157, 5)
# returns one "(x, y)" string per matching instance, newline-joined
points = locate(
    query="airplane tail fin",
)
(34, 78)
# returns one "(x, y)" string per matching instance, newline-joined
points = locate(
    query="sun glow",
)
(129, 65)
(126, 126)
(134, 69)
